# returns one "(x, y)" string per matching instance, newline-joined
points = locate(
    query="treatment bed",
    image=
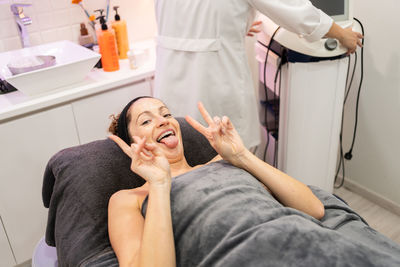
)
(79, 181)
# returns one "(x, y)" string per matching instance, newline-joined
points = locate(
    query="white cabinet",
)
(6, 256)
(27, 144)
(92, 113)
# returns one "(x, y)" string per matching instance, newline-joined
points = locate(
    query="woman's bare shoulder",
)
(134, 196)
(214, 159)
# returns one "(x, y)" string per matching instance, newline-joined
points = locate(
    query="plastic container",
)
(138, 58)
(121, 34)
(44, 255)
(132, 59)
(108, 47)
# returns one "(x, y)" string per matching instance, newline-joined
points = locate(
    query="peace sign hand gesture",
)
(221, 134)
(147, 160)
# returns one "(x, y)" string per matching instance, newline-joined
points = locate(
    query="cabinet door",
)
(6, 257)
(92, 113)
(26, 145)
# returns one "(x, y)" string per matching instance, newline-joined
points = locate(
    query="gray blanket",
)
(222, 216)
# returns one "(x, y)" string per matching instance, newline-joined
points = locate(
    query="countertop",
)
(17, 104)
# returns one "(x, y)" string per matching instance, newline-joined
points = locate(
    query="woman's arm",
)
(289, 191)
(301, 17)
(224, 138)
(135, 240)
(158, 247)
(347, 37)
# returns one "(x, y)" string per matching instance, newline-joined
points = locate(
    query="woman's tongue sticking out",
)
(170, 141)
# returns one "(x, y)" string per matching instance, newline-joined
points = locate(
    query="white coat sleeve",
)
(298, 16)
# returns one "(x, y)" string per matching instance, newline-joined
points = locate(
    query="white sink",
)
(73, 62)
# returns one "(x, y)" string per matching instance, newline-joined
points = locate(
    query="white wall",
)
(375, 164)
(376, 161)
(54, 20)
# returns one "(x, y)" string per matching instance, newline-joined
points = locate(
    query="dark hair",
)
(119, 124)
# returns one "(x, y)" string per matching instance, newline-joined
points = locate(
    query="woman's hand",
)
(147, 160)
(351, 40)
(347, 37)
(254, 28)
(221, 134)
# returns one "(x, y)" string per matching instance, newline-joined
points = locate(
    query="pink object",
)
(44, 255)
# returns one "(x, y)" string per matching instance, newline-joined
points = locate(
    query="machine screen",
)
(331, 7)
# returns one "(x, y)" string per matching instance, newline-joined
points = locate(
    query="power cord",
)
(276, 113)
(266, 90)
(352, 76)
(341, 156)
(349, 155)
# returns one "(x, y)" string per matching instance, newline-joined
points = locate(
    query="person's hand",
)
(254, 28)
(351, 40)
(147, 160)
(221, 134)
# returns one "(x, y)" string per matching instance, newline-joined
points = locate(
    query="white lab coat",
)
(201, 54)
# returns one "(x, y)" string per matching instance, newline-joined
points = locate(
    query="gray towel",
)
(222, 216)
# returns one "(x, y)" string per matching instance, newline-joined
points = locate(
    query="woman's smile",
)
(168, 138)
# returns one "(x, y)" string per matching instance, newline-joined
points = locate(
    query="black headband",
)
(122, 128)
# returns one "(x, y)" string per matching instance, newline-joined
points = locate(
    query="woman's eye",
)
(145, 122)
(168, 115)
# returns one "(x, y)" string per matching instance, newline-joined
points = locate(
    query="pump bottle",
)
(121, 35)
(107, 45)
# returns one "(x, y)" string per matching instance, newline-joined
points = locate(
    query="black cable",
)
(346, 87)
(266, 90)
(266, 104)
(274, 103)
(341, 164)
(348, 71)
(276, 119)
(341, 161)
(284, 54)
(255, 150)
(352, 76)
(341, 157)
(349, 154)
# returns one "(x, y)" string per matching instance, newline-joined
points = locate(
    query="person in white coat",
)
(201, 54)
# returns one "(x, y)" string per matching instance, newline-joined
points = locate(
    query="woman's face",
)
(150, 118)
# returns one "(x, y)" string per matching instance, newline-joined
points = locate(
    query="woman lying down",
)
(238, 211)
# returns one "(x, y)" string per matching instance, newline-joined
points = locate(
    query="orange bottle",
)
(108, 47)
(121, 35)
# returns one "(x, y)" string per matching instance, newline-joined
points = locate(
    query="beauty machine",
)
(301, 90)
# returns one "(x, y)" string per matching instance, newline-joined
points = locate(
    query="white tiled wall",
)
(54, 20)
